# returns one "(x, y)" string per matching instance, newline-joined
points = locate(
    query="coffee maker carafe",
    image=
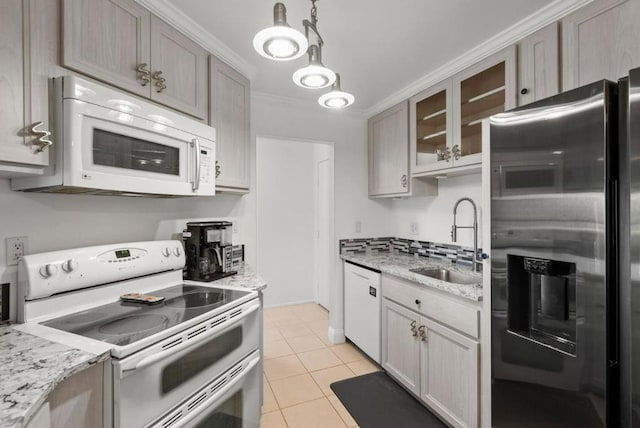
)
(208, 249)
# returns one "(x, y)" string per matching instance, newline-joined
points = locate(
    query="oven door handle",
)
(125, 368)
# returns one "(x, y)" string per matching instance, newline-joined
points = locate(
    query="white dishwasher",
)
(362, 308)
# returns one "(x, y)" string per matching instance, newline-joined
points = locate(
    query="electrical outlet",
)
(15, 249)
(358, 226)
(414, 227)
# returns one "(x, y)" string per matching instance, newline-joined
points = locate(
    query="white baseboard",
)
(278, 305)
(336, 335)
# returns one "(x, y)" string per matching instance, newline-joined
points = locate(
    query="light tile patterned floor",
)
(300, 364)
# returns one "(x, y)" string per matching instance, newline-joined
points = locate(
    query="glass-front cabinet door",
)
(479, 92)
(430, 128)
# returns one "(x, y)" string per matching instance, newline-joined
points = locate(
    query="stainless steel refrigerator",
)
(555, 203)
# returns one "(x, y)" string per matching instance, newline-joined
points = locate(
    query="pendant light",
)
(336, 98)
(280, 42)
(315, 75)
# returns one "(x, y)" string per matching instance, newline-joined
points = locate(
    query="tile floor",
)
(299, 365)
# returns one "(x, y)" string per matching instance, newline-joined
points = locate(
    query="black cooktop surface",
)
(122, 323)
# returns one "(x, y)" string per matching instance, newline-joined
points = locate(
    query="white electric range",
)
(191, 360)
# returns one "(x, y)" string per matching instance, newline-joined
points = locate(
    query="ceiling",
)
(378, 47)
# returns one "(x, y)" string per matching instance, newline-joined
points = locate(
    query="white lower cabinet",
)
(430, 359)
(449, 374)
(400, 347)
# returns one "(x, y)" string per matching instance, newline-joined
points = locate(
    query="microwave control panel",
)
(207, 166)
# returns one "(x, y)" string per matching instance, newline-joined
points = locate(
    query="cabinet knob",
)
(524, 91)
(160, 81)
(145, 74)
(418, 302)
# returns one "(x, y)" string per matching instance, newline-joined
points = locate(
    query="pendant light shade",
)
(280, 42)
(315, 75)
(336, 98)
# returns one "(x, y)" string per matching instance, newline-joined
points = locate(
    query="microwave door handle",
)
(196, 181)
(154, 358)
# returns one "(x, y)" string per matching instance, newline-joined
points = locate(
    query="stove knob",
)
(70, 265)
(48, 270)
(177, 252)
(166, 252)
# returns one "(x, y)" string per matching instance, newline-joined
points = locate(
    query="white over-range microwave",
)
(107, 142)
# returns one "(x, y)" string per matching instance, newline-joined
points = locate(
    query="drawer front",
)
(459, 316)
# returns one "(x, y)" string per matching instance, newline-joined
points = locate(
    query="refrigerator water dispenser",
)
(541, 298)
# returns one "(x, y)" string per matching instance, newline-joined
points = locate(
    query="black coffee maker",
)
(209, 250)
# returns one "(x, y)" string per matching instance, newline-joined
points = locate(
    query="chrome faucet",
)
(454, 230)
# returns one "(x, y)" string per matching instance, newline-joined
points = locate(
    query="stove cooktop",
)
(122, 323)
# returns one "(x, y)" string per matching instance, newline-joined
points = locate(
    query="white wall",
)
(52, 222)
(285, 192)
(434, 214)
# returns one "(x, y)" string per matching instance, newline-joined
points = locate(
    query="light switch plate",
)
(358, 226)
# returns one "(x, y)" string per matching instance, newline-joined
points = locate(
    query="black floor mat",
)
(376, 401)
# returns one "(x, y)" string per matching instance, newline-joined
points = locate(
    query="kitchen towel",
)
(375, 401)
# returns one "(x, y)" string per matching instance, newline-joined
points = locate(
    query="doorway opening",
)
(295, 220)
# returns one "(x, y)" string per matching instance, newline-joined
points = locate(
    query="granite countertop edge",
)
(56, 372)
(245, 278)
(399, 264)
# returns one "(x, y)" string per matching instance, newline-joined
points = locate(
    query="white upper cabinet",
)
(389, 152)
(482, 90)
(600, 41)
(108, 40)
(178, 70)
(123, 44)
(445, 119)
(27, 49)
(230, 96)
(539, 65)
(431, 128)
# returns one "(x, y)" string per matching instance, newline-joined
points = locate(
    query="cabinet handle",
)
(443, 155)
(42, 137)
(414, 330)
(455, 150)
(145, 74)
(160, 81)
(404, 181)
(218, 169)
(524, 91)
(423, 333)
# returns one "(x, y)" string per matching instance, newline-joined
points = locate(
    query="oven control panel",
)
(42, 275)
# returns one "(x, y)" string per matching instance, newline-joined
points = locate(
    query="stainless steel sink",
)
(447, 275)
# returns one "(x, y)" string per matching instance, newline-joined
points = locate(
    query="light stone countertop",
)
(396, 264)
(30, 368)
(245, 278)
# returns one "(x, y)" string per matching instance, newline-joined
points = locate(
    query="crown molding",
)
(530, 24)
(179, 20)
(299, 104)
